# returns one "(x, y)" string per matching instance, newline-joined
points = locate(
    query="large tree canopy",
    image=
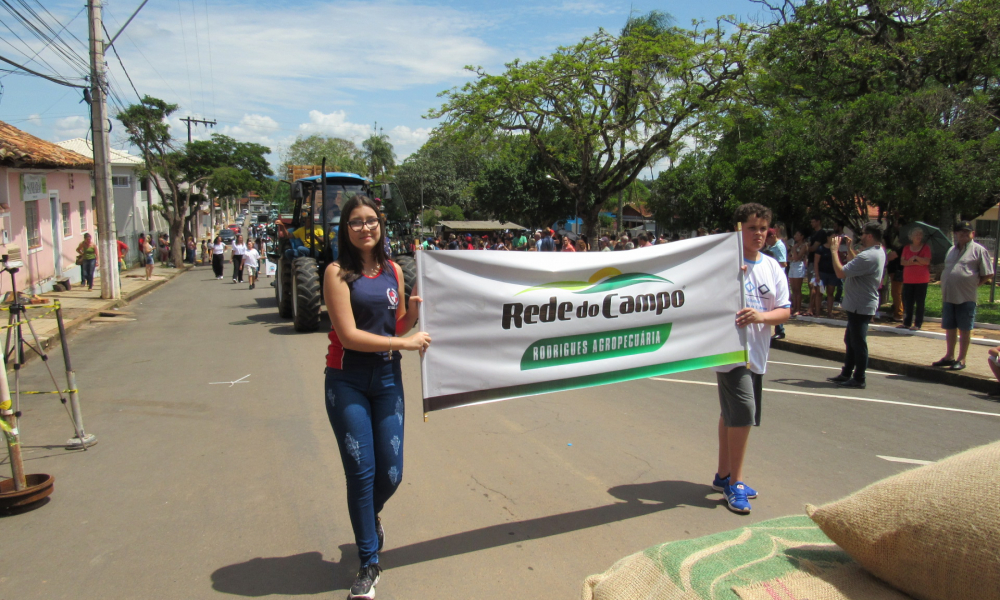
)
(623, 102)
(858, 104)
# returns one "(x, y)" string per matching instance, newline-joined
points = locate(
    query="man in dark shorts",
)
(740, 384)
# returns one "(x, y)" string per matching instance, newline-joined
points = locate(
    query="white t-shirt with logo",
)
(766, 289)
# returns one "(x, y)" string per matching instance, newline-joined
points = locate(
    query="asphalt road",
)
(200, 489)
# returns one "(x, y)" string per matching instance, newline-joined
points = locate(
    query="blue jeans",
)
(87, 271)
(856, 341)
(366, 409)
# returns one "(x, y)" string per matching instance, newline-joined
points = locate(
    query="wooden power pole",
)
(107, 234)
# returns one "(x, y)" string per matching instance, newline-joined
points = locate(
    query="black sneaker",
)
(839, 379)
(853, 384)
(364, 583)
(379, 533)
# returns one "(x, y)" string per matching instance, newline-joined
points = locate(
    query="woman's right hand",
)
(418, 341)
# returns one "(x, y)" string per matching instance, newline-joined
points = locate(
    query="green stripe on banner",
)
(584, 381)
(572, 349)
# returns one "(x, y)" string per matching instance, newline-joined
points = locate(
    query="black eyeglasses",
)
(358, 224)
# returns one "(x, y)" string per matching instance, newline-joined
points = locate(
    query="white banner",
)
(509, 324)
(34, 187)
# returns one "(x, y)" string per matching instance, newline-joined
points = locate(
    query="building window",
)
(32, 225)
(83, 216)
(67, 223)
(121, 181)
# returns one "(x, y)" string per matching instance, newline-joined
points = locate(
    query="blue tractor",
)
(302, 257)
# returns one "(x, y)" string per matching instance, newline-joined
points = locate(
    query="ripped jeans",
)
(366, 408)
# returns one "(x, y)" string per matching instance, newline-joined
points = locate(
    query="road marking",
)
(230, 383)
(875, 400)
(909, 461)
(774, 362)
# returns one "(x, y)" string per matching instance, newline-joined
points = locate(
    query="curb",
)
(926, 373)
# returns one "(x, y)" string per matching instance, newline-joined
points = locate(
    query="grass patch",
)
(985, 312)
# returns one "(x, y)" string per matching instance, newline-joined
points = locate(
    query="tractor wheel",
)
(305, 294)
(409, 268)
(283, 287)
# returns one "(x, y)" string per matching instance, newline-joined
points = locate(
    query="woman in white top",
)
(239, 249)
(218, 249)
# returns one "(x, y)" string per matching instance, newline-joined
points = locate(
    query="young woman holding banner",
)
(364, 386)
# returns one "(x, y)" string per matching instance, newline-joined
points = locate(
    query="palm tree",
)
(379, 155)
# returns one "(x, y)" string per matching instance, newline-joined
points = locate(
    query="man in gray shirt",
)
(862, 275)
(966, 267)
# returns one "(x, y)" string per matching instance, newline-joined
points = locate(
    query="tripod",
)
(19, 317)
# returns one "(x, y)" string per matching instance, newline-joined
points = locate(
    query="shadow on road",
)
(308, 573)
(302, 574)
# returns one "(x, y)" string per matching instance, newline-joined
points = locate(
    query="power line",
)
(69, 55)
(197, 48)
(187, 67)
(115, 50)
(211, 68)
(143, 55)
(42, 75)
(63, 28)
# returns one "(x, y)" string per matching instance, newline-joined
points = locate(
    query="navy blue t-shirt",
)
(374, 301)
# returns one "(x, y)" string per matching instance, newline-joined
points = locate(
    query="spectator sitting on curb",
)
(966, 267)
(862, 275)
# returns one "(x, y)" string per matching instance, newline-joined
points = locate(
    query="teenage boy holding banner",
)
(767, 304)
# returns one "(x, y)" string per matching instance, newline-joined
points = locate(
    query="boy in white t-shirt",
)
(251, 263)
(766, 291)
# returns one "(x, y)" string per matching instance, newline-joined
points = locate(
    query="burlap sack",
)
(932, 532)
(709, 567)
(848, 582)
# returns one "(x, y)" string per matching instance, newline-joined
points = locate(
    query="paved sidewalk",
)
(81, 306)
(895, 352)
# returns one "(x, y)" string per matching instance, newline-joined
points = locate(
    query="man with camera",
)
(862, 275)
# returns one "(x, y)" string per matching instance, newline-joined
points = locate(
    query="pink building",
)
(46, 205)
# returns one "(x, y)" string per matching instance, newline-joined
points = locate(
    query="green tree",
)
(625, 101)
(443, 170)
(379, 156)
(343, 155)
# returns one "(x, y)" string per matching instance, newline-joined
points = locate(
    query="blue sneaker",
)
(736, 498)
(720, 483)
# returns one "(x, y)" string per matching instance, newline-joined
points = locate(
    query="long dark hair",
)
(348, 255)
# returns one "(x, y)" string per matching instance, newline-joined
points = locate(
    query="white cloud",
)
(296, 57)
(579, 7)
(335, 124)
(71, 127)
(406, 141)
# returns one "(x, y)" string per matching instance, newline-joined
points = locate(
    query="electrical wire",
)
(69, 55)
(197, 48)
(211, 67)
(187, 66)
(63, 28)
(143, 55)
(115, 50)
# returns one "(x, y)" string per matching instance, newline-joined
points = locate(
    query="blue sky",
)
(269, 71)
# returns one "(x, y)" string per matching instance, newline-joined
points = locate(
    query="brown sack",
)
(848, 582)
(932, 532)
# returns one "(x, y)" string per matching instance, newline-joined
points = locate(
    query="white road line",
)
(774, 362)
(909, 461)
(230, 383)
(875, 400)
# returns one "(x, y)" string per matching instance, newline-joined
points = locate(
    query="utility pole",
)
(106, 231)
(189, 120)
